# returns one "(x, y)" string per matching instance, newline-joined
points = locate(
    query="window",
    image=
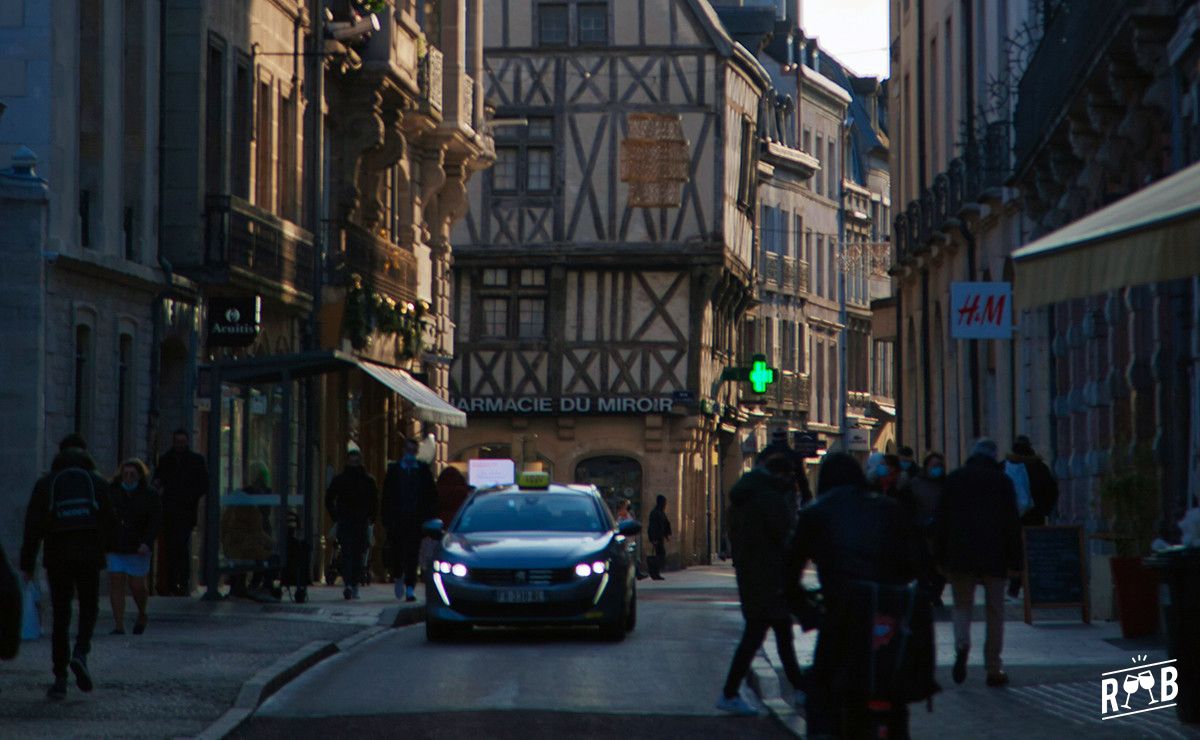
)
(493, 277)
(214, 118)
(825, 165)
(831, 265)
(262, 147)
(807, 146)
(817, 262)
(593, 24)
(553, 24)
(525, 158)
(745, 195)
(495, 317)
(285, 189)
(125, 397)
(540, 169)
(134, 123)
(822, 398)
(948, 88)
(92, 60)
(796, 248)
(832, 170)
(936, 161)
(83, 379)
(531, 318)
(243, 134)
(504, 173)
(513, 303)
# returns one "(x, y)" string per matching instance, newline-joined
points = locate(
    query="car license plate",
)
(520, 596)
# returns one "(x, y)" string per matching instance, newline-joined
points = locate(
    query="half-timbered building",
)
(605, 264)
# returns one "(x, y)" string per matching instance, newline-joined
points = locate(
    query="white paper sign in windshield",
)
(484, 473)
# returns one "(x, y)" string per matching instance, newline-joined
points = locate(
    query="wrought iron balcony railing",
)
(1075, 36)
(240, 235)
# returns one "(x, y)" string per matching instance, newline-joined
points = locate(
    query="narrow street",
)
(661, 681)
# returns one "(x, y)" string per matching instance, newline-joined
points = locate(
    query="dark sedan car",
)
(532, 554)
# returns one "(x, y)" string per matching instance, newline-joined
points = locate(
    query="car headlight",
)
(457, 569)
(583, 570)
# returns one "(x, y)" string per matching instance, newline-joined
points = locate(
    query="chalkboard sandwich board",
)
(1055, 575)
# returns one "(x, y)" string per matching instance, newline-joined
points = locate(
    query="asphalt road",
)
(661, 682)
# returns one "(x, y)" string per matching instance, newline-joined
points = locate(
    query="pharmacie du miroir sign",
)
(566, 405)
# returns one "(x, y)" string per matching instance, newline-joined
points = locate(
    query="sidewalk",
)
(188, 668)
(1054, 668)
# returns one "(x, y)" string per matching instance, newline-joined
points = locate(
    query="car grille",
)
(548, 610)
(521, 576)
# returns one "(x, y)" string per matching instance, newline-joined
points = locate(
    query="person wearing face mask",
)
(907, 463)
(138, 513)
(409, 499)
(762, 511)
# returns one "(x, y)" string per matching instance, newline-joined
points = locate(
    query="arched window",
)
(616, 476)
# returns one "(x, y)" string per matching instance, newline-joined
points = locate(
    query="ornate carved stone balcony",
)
(429, 78)
(386, 267)
(240, 236)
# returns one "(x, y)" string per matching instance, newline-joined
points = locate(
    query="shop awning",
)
(1147, 237)
(427, 405)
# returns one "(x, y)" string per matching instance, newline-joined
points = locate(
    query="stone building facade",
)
(85, 292)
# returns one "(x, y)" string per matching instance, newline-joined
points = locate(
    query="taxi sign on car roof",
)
(533, 480)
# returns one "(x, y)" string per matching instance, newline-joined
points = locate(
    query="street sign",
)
(760, 376)
(981, 311)
(234, 322)
(858, 440)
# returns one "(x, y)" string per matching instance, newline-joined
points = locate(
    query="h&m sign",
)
(981, 311)
(566, 405)
(234, 322)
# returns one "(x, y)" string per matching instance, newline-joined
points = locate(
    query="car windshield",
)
(526, 512)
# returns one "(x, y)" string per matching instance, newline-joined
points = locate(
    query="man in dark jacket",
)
(658, 532)
(762, 510)
(1023, 464)
(11, 605)
(852, 535)
(977, 539)
(182, 477)
(409, 499)
(352, 501)
(70, 518)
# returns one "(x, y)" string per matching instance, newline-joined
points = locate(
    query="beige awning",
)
(1147, 237)
(428, 405)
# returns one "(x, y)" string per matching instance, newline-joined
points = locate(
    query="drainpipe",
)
(968, 237)
(973, 348)
(927, 381)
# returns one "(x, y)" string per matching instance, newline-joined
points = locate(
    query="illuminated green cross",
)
(760, 375)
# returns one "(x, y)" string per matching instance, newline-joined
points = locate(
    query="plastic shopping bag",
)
(31, 611)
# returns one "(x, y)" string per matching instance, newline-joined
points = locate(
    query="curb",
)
(271, 679)
(765, 681)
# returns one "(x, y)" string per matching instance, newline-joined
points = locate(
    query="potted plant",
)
(1130, 500)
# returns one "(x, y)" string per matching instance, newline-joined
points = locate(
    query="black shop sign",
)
(234, 322)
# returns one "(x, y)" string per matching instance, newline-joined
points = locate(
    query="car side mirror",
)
(433, 528)
(629, 527)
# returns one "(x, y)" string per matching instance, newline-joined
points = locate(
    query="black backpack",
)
(73, 504)
(888, 642)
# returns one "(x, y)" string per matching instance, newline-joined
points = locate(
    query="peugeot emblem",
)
(520, 576)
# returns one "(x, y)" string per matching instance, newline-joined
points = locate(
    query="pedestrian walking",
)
(883, 473)
(923, 494)
(658, 534)
(857, 538)
(1036, 489)
(138, 515)
(352, 501)
(762, 512)
(181, 477)
(906, 461)
(409, 499)
(69, 518)
(977, 540)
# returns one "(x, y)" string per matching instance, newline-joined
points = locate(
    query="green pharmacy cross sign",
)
(760, 376)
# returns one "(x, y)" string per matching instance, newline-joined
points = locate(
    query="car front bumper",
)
(591, 600)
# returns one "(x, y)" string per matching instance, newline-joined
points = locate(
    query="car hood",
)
(524, 549)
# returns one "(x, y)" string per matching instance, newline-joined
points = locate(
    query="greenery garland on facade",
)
(368, 312)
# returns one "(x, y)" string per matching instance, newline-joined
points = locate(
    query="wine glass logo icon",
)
(1146, 681)
(1130, 687)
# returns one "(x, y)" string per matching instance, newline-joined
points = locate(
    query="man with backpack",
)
(1036, 489)
(70, 518)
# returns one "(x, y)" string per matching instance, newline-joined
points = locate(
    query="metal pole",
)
(212, 504)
